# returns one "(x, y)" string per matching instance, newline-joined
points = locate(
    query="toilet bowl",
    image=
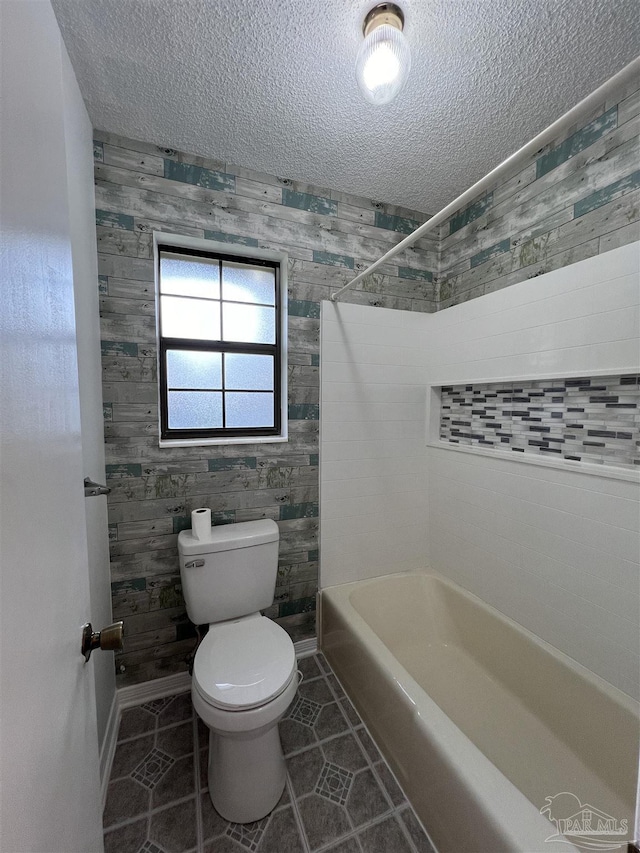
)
(244, 679)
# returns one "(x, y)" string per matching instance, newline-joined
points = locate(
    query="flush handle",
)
(194, 564)
(110, 638)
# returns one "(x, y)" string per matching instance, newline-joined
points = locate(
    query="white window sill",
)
(212, 442)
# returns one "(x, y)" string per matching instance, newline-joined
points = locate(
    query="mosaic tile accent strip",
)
(305, 711)
(152, 768)
(334, 783)
(586, 419)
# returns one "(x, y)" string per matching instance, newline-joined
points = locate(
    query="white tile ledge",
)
(608, 471)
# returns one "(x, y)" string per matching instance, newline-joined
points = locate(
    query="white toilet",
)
(244, 673)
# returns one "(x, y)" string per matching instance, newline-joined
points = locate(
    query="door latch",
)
(110, 638)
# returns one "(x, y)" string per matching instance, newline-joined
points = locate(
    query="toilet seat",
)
(244, 664)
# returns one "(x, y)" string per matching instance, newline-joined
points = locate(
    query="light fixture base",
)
(383, 13)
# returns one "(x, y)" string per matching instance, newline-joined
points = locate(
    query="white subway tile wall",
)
(372, 434)
(557, 550)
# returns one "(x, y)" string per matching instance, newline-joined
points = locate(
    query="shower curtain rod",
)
(594, 99)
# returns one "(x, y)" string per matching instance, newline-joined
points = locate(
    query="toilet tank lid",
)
(225, 537)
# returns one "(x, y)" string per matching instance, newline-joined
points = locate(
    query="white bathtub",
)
(480, 720)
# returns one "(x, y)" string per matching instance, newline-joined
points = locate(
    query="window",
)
(220, 345)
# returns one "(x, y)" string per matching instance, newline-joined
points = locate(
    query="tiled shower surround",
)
(576, 198)
(581, 419)
(340, 796)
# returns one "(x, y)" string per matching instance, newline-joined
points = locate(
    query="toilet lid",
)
(243, 664)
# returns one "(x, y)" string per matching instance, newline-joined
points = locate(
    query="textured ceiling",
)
(269, 84)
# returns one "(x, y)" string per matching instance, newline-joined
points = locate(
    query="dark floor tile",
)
(309, 668)
(203, 764)
(349, 845)
(284, 800)
(128, 755)
(135, 721)
(317, 691)
(304, 711)
(213, 824)
(304, 771)
(176, 783)
(177, 740)
(180, 709)
(366, 800)
(369, 746)
(323, 821)
(295, 736)
(203, 734)
(345, 752)
(391, 786)
(224, 845)
(174, 829)
(350, 712)
(282, 834)
(417, 833)
(322, 662)
(385, 836)
(250, 835)
(125, 799)
(331, 721)
(128, 838)
(335, 685)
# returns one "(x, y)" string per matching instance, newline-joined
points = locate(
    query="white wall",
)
(555, 549)
(79, 153)
(372, 520)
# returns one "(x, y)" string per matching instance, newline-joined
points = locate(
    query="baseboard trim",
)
(157, 688)
(304, 648)
(108, 749)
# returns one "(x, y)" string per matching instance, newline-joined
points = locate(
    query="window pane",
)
(193, 369)
(242, 283)
(248, 372)
(250, 323)
(194, 409)
(249, 410)
(190, 318)
(189, 276)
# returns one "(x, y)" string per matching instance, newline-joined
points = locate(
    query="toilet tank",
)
(231, 573)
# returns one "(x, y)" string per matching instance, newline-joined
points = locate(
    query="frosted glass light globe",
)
(383, 64)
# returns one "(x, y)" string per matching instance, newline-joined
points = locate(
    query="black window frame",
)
(166, 343)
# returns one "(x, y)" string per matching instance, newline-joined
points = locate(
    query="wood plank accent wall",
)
(329, 236)
(575, 198)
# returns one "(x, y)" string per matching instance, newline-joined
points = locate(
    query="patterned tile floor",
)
(340, 794)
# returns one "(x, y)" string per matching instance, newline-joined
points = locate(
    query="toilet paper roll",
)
(201, 523)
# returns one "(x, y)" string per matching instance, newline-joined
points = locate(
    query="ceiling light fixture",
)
(384, 58)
